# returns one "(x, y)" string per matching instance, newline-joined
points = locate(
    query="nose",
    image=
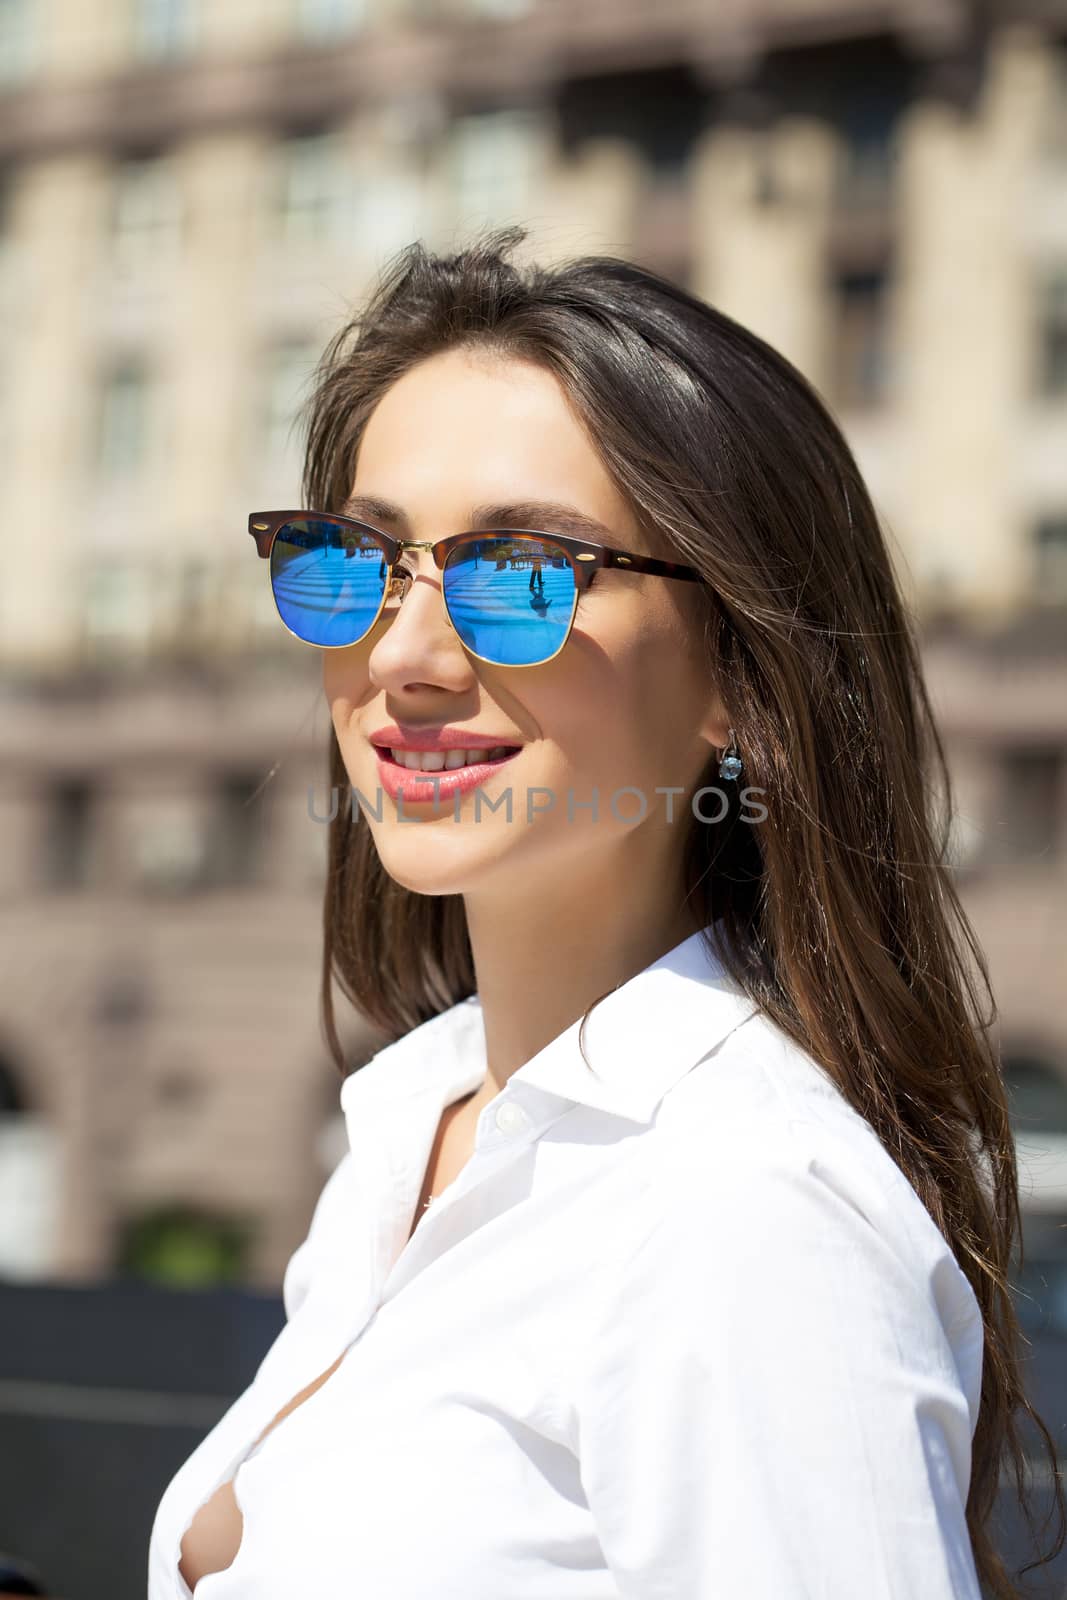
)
(399, 582)
(418, 643)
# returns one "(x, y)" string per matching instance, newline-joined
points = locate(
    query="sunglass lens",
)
(328, 580)
(510, 600)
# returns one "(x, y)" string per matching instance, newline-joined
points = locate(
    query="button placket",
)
(491, 1153)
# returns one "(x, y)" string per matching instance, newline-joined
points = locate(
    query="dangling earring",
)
(731, 763)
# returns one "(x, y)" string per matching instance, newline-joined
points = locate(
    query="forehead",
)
(458, 435)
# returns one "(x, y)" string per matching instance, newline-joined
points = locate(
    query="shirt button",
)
(510, 1117)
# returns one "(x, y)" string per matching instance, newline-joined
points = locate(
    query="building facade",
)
(192, 198)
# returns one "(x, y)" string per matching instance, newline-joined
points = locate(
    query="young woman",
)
(683, 1042)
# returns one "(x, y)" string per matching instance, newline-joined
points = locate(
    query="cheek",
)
(614, 726)
(663, 692)
(344, 678)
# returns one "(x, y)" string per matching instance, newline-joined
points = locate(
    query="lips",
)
(440, 736)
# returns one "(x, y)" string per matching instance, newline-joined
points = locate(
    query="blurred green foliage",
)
(184, 1245)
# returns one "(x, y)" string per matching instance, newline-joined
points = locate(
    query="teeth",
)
(444, 760)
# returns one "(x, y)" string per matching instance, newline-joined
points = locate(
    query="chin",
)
(428, 859)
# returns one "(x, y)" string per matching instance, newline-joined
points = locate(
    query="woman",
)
(669, 1257)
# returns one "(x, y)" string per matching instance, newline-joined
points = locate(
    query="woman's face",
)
(626, 704)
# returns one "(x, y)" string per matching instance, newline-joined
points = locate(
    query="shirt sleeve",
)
(774, 1408)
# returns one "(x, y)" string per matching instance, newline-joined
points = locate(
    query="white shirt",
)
(679, 1330)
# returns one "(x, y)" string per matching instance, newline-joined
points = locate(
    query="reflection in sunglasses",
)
(510, 600)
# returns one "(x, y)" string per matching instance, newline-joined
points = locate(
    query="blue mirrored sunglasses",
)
(510, 593)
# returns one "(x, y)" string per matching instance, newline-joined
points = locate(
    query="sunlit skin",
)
(559, 911)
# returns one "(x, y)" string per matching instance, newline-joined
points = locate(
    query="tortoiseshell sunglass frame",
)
(585, 558)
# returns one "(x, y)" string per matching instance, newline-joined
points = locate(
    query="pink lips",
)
(393, 737)
(409, 787)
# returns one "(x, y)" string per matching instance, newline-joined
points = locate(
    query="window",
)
(314, 834)
(197, 587)
(68, 835)
(6, 413)
(393, 209)
(8, 242)
(30, 1184)
(146, 220)
(498, 10)
(18, 42)
(864, 178)
(116, 606)
(125, 421)
(322, 20)
(121, 999)
(1037, 1095)
(313, 188)
(1050, 558)
(860, 355)
(966, 841)
(493, 159)
(1054, 122)
(161, 29)
(288, 368)
(866, 120)
(169, 849)
(12, 1102)
(1037, 1104)
(1052, 334)
(9, 290)
(1028, 826)
(238, 829)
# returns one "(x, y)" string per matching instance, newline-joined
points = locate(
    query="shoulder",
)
(758, 1076)
(758, 1149)
(783, 1343)
(760, 1105)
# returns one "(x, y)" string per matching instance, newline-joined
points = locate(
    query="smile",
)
(448, 760)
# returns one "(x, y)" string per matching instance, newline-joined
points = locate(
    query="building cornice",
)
(475, 61)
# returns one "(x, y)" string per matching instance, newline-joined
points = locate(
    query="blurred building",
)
(192, 197)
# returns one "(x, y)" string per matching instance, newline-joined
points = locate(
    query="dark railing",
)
(104, 1392)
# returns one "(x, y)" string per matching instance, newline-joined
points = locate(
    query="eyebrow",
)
(542, 516)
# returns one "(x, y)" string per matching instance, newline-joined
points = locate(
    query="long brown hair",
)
(839, 914)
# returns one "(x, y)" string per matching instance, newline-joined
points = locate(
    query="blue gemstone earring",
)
(731, 764)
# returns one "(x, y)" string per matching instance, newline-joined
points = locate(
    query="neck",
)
(537, 974)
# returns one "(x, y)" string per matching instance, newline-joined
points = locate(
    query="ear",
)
(715, 727)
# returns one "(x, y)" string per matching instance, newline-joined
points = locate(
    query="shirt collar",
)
(640, 1039)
